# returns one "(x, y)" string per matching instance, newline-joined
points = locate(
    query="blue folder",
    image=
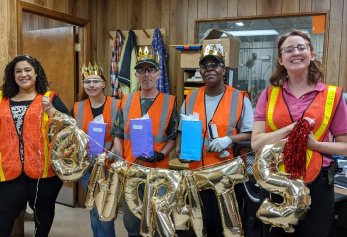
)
(141, 137)
(191, 142)
(96, 132)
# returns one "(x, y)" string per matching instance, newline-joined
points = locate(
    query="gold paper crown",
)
(212, 49)
(147, 54)
(92, 70)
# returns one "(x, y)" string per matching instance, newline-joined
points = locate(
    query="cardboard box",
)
(212, 34)
(190, 59)
(231, 48)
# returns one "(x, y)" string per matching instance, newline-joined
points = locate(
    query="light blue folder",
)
(191, 142)
(96, 132)
(141, 137)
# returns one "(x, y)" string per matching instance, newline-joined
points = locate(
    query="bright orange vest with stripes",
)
(37, 163)
(160, 114)
(83, 114)
(226, 117)
(322, 109)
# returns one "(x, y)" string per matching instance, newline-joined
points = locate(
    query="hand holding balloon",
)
(47, 106)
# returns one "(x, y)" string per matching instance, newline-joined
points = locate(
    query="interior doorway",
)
(59, 41)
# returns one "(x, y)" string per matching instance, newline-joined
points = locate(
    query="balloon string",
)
(118, 157)
(134, 163)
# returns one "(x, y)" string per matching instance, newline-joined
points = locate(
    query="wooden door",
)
(54, 48)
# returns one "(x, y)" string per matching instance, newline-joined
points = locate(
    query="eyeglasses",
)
(88, 82)
(291, 49)
(212, 65)
(143, 70)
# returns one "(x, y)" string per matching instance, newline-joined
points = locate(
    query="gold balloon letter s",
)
(296, 195)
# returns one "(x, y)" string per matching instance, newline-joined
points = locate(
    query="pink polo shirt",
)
(297, 107)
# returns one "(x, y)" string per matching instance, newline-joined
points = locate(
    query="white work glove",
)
(219, 144)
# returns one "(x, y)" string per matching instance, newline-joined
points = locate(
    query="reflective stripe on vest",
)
(45, 141)
(273, 98)
(2, 176)
(329, 104)
(79, 115)
(161, 136)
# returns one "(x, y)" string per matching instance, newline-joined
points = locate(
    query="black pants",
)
(211, 217)
(319, 218)
(41, 195)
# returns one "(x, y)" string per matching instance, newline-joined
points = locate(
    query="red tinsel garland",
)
(294, 152)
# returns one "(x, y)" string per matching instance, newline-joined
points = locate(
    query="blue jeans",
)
(131, 222)
(100, 228)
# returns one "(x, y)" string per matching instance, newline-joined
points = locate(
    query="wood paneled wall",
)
(178, 18)
(8, 29)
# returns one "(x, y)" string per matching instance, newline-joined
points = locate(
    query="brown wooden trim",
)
(326, 33)
(197, 21)
(19, 28)
(260, 17)
(41, 11)
(325, 46)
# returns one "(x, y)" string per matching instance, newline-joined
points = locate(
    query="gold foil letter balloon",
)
(67, 145)
(68, 153)
(137, 175)
(97, 174)
(115, 184)
(186, 214)
(158, 202)
(295, 194)
(57, 123)
(222, 180)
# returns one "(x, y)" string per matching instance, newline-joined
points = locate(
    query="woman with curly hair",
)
(25, 171)
(297, 92)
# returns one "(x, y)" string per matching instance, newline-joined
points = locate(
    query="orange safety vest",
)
(322, 109)
(83, 114)
(226, 117)
(160, 113)
(37, 163)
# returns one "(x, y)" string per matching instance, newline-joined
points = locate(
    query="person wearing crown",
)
(230, 111)
(161, 109)
(95, 106)
(26, 176)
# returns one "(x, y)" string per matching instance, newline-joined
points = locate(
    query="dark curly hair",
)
(280, 74)
(10, 87)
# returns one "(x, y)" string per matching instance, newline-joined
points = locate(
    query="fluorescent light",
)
(253, 32)
(240, 23)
